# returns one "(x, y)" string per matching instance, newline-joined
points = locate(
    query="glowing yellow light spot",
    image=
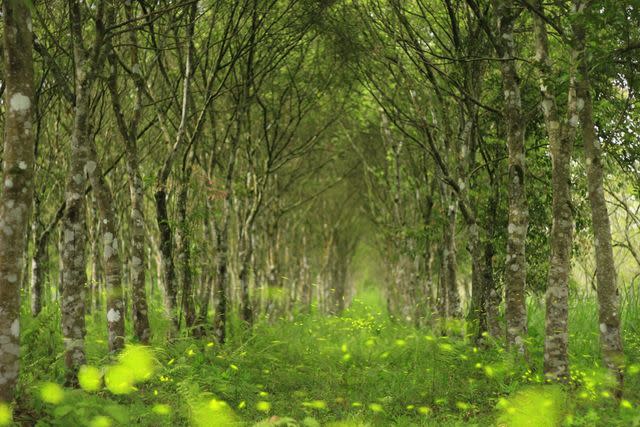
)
(462, 406)
(356, 404)
(210, 344)
(344, 348)
(346, 357)
(139, 360)
(263, 394)
(242, 405)
(51, 393)
(315, 404)
(401, 343)
(161, 409)
(217, 405)
(478, 365)
(375, 407)
(446, 347)
(429, 338)
(263, 406)
(370, 342)
(155, 392)
(502, 403)
(410, 407)
(234, 367)
(424, 410)
(119, 379)
(170, 362)
(6, 417)
(475, 349)
(625, 404)
(605, 394)
(488, 371)
(101, 421)
(89, 378)
(191, 353)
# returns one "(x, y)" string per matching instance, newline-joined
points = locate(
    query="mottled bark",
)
(607, 290)
(110, 249)
(184, 258)
(39, 265)
(222, 278)
(222, 249)
(161, 194)
(17, 183)
(561, 135)
(166, 260)
(453, 295)
(489, 286)
(129, 132)
(515, 277)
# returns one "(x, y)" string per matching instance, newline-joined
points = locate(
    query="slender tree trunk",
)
(184, 257)
(16, 199)
(608, 297)
(561, 136)
(489, 287)
(166, 259)
(110, 250)
(222, 252)
(39, 265)
(453, 295)
(515, 305)
(222, 278)
(129, 132)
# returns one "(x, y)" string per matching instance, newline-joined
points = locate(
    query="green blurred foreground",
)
(361, 369)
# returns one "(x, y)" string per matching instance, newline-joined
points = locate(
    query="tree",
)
(17, 183)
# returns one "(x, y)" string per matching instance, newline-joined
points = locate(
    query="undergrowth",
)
(359, 369)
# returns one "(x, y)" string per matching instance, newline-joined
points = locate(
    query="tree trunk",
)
(39, 265)
(16, 199)
(184, 257)
(515, 305)
(453, 296)
(137, 258)
(489, 288)
(608, 297)
(166, 260)
(561, 135)
(110, 250)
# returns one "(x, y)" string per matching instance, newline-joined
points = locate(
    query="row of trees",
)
(467, 165)
(233, 154)
(192, 141)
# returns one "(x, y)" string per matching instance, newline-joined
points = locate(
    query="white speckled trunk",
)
(561, 133)
(515, 277)
(608, 297)
(17, 183)
(110, 249)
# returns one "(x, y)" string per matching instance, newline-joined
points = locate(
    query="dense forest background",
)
(320, 212)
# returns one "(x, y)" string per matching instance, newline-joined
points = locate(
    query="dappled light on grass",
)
(212, 412)
(540, 406)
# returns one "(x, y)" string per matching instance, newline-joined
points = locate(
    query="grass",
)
(359, 369)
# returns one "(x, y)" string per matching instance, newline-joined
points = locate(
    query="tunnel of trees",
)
(320, 212)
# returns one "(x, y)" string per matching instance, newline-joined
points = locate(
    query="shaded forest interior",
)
(320, 212)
